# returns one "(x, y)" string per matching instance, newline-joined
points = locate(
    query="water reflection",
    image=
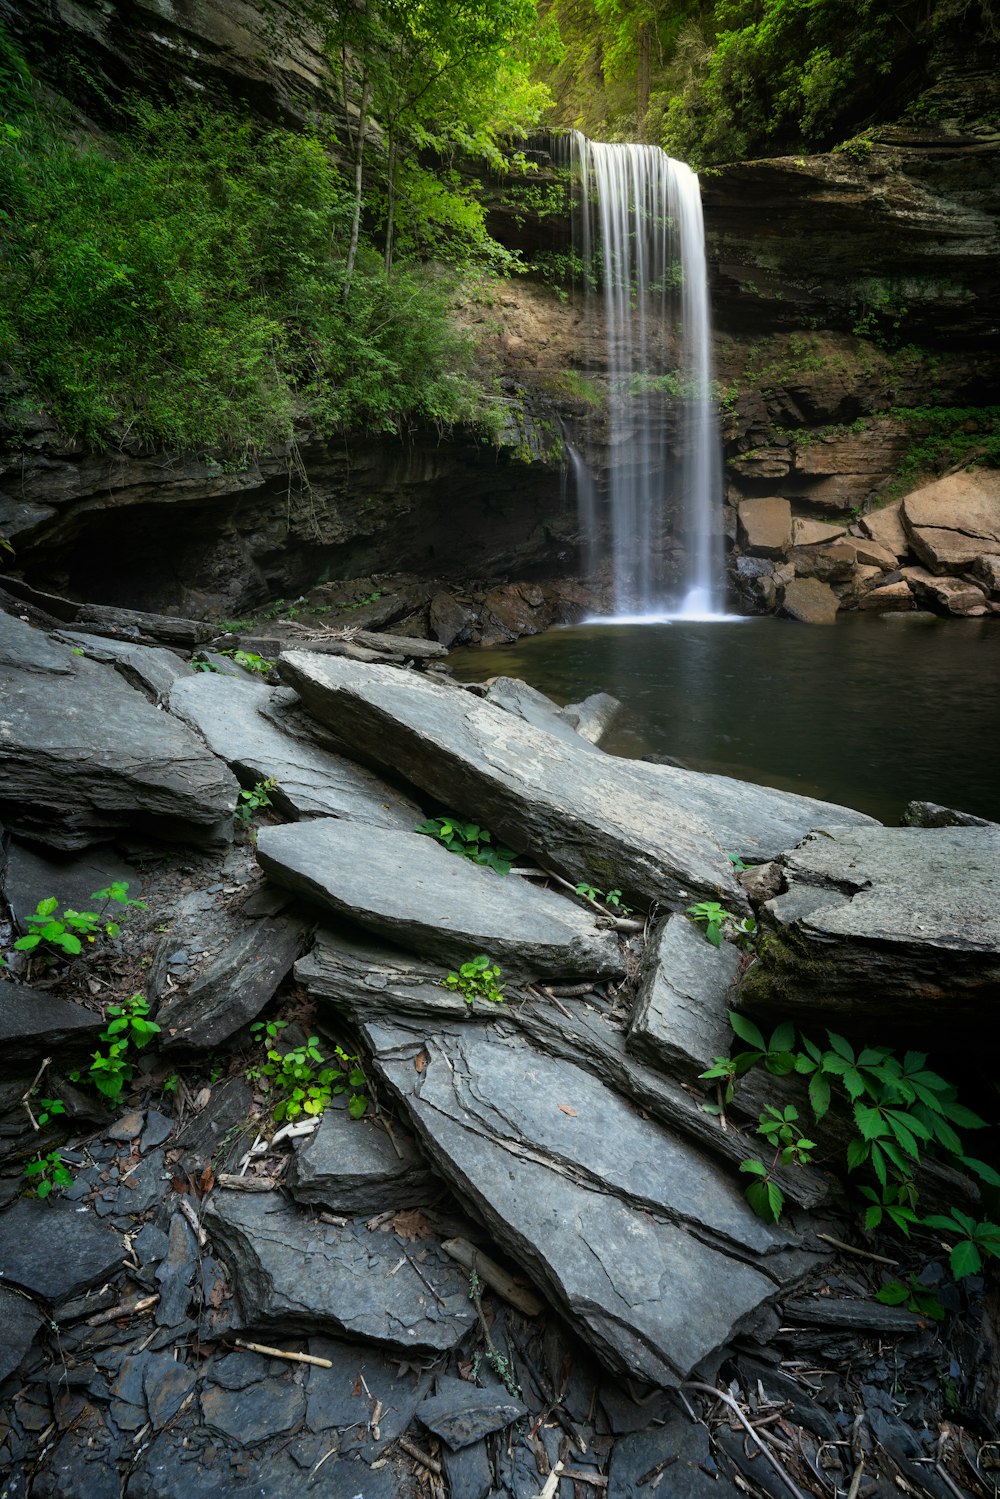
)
(869, 712)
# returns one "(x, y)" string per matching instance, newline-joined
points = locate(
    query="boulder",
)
(55, 1248)
(357, 1166)
(83, 755)
(889, 598)
(27, 649)
(831, 564)
(253, 727)
(986, 571)
(451, 622)
(766, 526)
(809, 600)
(898, 925)
(679, 1019)
(955, 520)
(885, 526)
(932, 815)
(587, 816)
(410, 889)
(950, 595)
(292, 1274)
(813, 532)
(874, 554)
(21, 1320)
(651, 1256)
(594, 717)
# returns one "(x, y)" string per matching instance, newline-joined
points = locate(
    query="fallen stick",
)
(247, 1183)
(31, 1088)
(659, 1468)
(727, 1399)
(494, 1276)
(291, 1358)
(551, 1485)
(596, 1480)
(126, 1309)
(423, 1458)
(864, 1254)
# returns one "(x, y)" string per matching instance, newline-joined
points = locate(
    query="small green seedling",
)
(306, 1083)
(914, 1296)
(49, 1108)
(48, 1174)
(470, 841)
(128, 1026)
(51, 937)
(250, 661)
(611, 898)
(719, 922)
(251, 802)
(477, 979)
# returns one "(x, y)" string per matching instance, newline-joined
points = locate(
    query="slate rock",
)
(216, 1136)
(33, 877)
(350, 1166)
(255, 1413)
(20, 1320)
(142, 1188)
(461, 1413)
(34, 1023)
(894, 924)
(409, 888)
(339, 1407)
(691, 1475)
(27, 649)
(646, 1248)
(360, 977)
(243, 722)
(593, 717)
(201, 1468)
(932, 815)
(166, 1384)
(469, 1472)
(679, 1018)
(55, 1249)
(83, 755)
(157, 1129)
(527, 703)
(152, 669)
(586, 815)
(175, 1273)
(296, 1275)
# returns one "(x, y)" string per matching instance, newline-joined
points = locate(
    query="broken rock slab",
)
(36, 1024)
(83, 755)
(955, 520)
(290, 1273)
(679, 1019)
(56, 1249)
(153, 669)
(461, 1413)
(406, 887)
(646, 1248)
(33, 877)
(355, 1166)
(900, 925)
(585, 815)
(20, 1319)
(527, 703)
(241, 721)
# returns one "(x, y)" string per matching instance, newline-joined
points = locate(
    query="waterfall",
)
(642, 239)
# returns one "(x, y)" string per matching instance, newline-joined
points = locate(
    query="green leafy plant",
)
(51, 936)
(129, 1028)
(250, 661)
(975, 1240)
(477, 979)
(48, 1109)
(469, 840)
(611, 898)
(305, 1082)
(171, 1083)
(48, 1174)
(914, 1296)
(251, 802)
(200, 664)
(779, 1127)
(718, 922)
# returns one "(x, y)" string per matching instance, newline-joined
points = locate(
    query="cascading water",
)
(643, 242)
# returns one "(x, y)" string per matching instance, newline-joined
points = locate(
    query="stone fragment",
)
(241, 720)
(451, 622)
(986, 571)
(256, 1413)
(215, 1136)
(27, 649)
(809, 600)
(594, 717)
(831, 564)
(527, 703)
(585, 815)
(83, 755)
(679, 1018)
(898, 925)
(353, 1166)
(815, 532)
(407, 887)
(766, 526)
(34, 1023)
(461, 1413)
(652, 1257)
(874, 554)
(952, 595)
(56, 1249)
(175, 1273)
(931, 815)
(955, 520)
(292, 1274)
(885, 526)
(32, 876)
(20, 1319)
(890, 598)
(166, 1385)
(682, 1443)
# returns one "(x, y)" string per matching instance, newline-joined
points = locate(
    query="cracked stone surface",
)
(55, 1248)
(350, 1166)
(407, 887)
(679, 1019)
(630, 1231)
(288, 1272)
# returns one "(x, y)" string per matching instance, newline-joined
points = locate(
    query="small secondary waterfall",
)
(643, 242)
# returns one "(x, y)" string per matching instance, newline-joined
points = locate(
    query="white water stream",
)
(643, 242)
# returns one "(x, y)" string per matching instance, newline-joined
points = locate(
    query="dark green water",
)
(870, 712)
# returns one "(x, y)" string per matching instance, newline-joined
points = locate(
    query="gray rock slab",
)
(337, 1399)
(593, 717)
(408, 888)
(897, 924)
(153, 669)
(686, 1446)
(20, 1320)
(241, 720)
(252, 1415)
(28, 649)
(461, 1413)
(351, 1166)
(533, 707)
(646, 1247)
(363, 978)
(679, 1018)
(32, 877)
(932, 815)
(227, 991)
(83, 755)
(33, 1023)
(56, 1249)
(293, 1274)
(203, 1468)
(217, 1135)
(585, 815)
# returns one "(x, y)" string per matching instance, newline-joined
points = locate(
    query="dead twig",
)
(494, 1276)
(864, 1254)
(727, 1399)
(31, 1088)
(126, 1309)
(291, 1358)
(423, 1458)
(659, 1468)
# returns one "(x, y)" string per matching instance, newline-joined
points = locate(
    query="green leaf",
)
(873, 1217)
(819, 1094)
(357, 1105)
(46, 907)
(753, 1168)
(894, 1294)
(982, 1170)
(963, 1117)
(782, 1038)
(746, 1030)
(714, 934)
(965, 1260)
(858, 1152)
(841, 1047)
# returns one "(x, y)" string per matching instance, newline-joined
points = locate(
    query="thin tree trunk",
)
(359, 158)
(390, 209)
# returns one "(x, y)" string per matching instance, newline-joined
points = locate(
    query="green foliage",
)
(249, 803)
(470, 841)
(914, 1296)
(251, 662)
(52, 937)
(944, 437)
(719, 922)
(900, 1109)
(304, 1082)
(477, 979)
(129, 1029)
(49, 1109)
(612, 898)
(48, 1174)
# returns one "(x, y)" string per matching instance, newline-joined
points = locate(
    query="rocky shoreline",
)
(513, 1256)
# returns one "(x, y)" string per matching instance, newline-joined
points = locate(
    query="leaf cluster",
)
(470, 841)
(51, 936)
(48, 1174)
(479, 978)
(129, 1029)
(718, 922)
(304, 1082)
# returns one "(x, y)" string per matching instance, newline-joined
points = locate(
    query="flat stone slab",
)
(644, 1246)
(410, 889)
(82, 755)
(20, 1319)
(897, 923)
(241, 720)
(153, 669)
(56, 1249)
(32, 877)
(351, 1166)
(586, 815)
(28, 649)
(679, 1019)
(955, 520)
(35, 1024)
(363, 979)
(293, 1274)
(527, 703)
(461, 1413)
